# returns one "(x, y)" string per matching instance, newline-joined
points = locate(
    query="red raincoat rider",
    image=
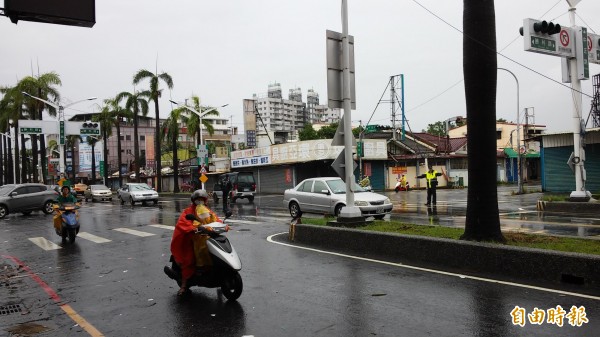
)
(189, 249)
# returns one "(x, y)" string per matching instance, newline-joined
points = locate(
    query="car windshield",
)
(98, 187)
(339, 186)
(142, 187)
(4, 190)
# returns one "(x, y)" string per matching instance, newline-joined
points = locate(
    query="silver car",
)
(137, 192)
(328, 196)
(26, 198)
(97, 192)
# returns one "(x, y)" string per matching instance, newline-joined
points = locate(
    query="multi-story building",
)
(283, 118)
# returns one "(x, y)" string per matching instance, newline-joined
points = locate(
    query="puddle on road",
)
(27, 329)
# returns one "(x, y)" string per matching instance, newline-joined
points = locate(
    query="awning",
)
(510, 153)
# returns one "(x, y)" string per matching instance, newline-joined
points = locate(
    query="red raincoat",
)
(182, 244)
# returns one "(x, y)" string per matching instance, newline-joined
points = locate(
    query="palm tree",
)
(172, 127)
(137, 104)
(118, 114)
(155, 93)
(92, 141)
(70, 142)
(106, 120)
(41, 86)
(12, 106)
(479, 64)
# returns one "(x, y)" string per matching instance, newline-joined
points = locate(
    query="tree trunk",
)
(175, 161)
(119, 150)
(9, 162)
(17, 175)
(105, 156)
(43, 158)
(157, 149)
(136, 145)
(480, 73)
(93, 163)
(2, 161)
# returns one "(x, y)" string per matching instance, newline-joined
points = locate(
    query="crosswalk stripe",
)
(163, 226)
(132, 232)
(44, 244)
(92, 237)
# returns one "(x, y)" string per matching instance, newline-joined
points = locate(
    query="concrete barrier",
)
(505, 262)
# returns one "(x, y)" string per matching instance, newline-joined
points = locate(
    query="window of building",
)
(499, 134)
(128, 151)
(127, 137)
(122, 137)
(143, 137)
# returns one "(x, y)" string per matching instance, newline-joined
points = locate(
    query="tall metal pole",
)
(519, 174)
(580, 192)
(393, 100)
(402, 106)
(348, 160)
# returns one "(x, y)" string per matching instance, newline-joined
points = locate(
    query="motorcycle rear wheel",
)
(232, 286)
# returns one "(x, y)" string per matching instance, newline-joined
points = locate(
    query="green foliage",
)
(327, 132)
(564, 244)
(438, 128)
(308, 133)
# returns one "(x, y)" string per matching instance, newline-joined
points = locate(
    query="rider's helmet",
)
(199, 194)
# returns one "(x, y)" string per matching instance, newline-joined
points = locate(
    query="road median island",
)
(581, 271)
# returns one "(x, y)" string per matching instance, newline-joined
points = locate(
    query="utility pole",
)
(392, 101)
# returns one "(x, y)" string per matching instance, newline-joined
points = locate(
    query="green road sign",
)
(541, 43)
(102, 168)
(30, 130)
(89, 131)
(62, 132)
(360, 149)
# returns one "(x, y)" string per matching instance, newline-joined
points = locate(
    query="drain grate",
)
(11, 309)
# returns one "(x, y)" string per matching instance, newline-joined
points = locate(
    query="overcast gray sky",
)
(224, 51)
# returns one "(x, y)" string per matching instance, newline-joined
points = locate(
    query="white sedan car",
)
(328, 196)
(97, 192)
(137, 192)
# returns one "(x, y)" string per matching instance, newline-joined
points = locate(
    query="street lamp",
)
(519, 175)
(200, 115)
(61, 118)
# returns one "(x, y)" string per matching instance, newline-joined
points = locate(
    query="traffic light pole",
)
(580, 193)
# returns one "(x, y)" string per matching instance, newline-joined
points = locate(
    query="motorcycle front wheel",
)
(72, 235)
(232, 286)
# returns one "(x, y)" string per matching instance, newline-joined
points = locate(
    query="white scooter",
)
(226, 264)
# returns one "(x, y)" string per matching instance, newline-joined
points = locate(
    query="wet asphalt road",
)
(118, 286)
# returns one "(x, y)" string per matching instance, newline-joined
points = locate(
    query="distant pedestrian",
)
(226, 188)
(432, 183)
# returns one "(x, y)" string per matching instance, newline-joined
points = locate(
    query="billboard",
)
(61, 12)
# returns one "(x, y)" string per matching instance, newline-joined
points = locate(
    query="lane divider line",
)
(462, 276)
(44, 243)
(163, 226)
(93, 238)
(90, 329)
(133, 232)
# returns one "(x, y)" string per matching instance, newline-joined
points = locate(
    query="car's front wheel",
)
(295, 209)
(48, 207)
(338, 209)
(3, 211)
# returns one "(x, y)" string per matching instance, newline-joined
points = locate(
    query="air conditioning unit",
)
(214, 156)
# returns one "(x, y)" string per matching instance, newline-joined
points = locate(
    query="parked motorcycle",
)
(69, 221)
(226, 264)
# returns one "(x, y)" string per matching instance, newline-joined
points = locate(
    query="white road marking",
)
(163, 226)
(92, 237)
(44, 244)
(270, 239)
(133, 232)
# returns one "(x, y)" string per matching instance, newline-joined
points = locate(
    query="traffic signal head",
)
(545, 27)
(90, 125)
